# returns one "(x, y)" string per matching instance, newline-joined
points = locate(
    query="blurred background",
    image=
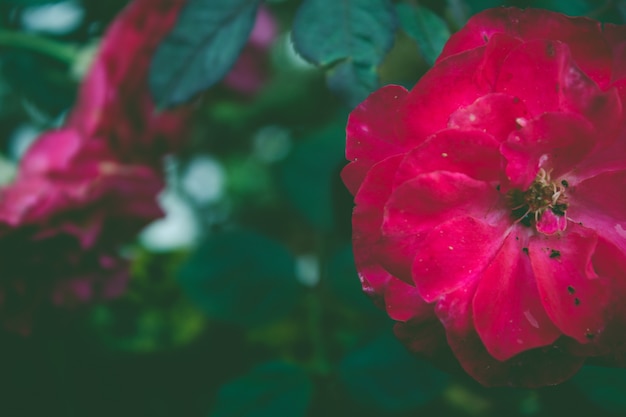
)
(244, 300)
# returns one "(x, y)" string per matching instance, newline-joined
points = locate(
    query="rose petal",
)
(431, 102)
(430, 199)
(497, 50)
(538, 85)
(418, 205)
(471, 152)
(367, 217)
(550, 223)
(579, 94)
(526, 370)
(371, 134)
(553, 141)
(403, 302)
(53, 151)
(595, 204)
(589, 48)
(610, 263)
(366, 222)
(615, 36)
(508, 313)
(533, 368)
(454, 254)
(496, 114)
(399, 299)
(572, 294)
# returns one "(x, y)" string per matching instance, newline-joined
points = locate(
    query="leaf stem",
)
(57, 50)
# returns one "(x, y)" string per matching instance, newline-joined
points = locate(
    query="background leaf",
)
(604, 386)
(241, 277)
(383, 375)
(354, 33)
(27, 3)
(352, 82)
(426, 28)
(201, 49)
(310, 169)
(569, 7)
(271, 389)
(344, 282)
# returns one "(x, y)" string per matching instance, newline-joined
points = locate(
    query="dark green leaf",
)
(270, 390)
(352, 82)
(569, 7)
(604, 386)
(241, 277)
(53, 92)
(326, 31)
(344, 281)
(429, 30)
(359, 32)
(307, 173)
(385, 376)
(476, 6)
(28, 3)
(201, 49)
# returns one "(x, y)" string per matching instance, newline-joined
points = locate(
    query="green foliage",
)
(26, 3)
(569, 7)
(153, 315)
(351, 81)
(310, 169)
(429, 30)
(344, 283)
(604, 386)
(271, 389)
(183, 338)
(203, 46)
(383, 375)
(241, 277)
(53, 93)
(355, 34)
(476, 6)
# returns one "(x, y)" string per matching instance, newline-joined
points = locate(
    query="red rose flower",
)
(87, 189)
(489, 214)
(114, 101)
(63, 220)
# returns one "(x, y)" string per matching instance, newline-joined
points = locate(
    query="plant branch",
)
(57, 50)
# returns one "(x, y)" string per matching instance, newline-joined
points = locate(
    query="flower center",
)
(543, 194)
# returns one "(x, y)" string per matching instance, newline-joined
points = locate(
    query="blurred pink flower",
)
(251, 72)
(84, 191)
(63, 220)
(114, 103)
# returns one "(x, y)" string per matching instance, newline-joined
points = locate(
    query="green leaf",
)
(241, 277)
(28, 3)
(604, 386)
(309, 170)
(479, 5)
(569, 7)
(355, 33)
(201, 49)
(385, 376)
(344, 281)
(429, 30)
(352, 82)
(53, 92)
(271, 389)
